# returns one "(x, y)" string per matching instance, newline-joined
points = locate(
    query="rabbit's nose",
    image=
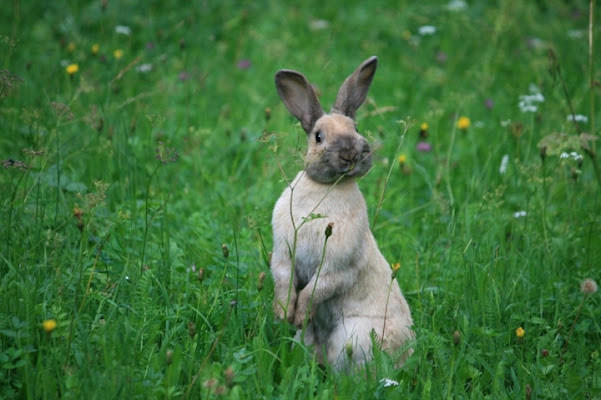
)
(348, 154)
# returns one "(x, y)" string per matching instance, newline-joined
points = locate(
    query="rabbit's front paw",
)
(302, 311)
(284, 308)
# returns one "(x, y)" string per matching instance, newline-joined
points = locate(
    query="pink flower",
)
(424, 147)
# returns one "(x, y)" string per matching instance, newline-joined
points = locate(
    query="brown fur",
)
(352, 293)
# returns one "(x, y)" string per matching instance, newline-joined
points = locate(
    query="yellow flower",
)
(463, 123)
(402, 159)
(72, 68)
(424, 126)
(118, 53)
(49, 325)
(395, 269)
(520, 332)
(95, 49)
(71, 46)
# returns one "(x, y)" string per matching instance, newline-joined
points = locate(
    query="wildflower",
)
(456, 338)
(573, 155)
(424, 126)
(463, 123)
(424, 147)
(261, 281)
(528, 102)
(244, 64)
(389, 382)
(191, 329)
(71, 47)
(402, 159)
(489, 103)
(225, 250)
(229, 375)
(426, 30)
(577, 118)
(519, 214)
(144, 68)
(123, 30)
(395, 269)
(318, 25)
(456, 5)
(588, 286)
(95, 48)
(118, 54)
(329, 229)
(72, 69)
(504, 162)
(520, 332)
(49, 325)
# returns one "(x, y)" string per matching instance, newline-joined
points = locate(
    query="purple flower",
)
(149, 46)
(424, 147)
(244, 64)
(489, 103)
(183, 76)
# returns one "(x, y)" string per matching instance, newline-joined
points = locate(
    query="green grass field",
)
(141, 140)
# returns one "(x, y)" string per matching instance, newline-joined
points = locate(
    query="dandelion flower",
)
(49, 325)
(402, 159)
(588, 286)
(118, 54)
(424, 126)
(463, 123)
(520, 332)
(95, 48)
(72, 68)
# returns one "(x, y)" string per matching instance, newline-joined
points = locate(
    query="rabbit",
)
(347, 293)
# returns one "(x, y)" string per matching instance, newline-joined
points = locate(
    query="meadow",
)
(143, 147)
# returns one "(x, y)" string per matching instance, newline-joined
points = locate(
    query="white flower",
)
(528, 102)
(426, 30)
(319, 24)
(456, 5)
(64, 63)
(144, 68)
(519, 214)
(504, 162)
(573, 155)
(123, 30)
(506, 123)
(578, 118)
(389, 382)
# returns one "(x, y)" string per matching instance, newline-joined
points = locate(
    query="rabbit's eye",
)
(318, 136)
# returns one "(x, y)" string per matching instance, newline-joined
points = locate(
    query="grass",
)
(119, 187)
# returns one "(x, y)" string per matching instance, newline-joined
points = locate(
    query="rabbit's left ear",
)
(354, 90)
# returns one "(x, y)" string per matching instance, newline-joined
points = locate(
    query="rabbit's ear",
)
(353, 91)
(299, 97)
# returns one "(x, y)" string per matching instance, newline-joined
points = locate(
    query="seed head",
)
(588, 286)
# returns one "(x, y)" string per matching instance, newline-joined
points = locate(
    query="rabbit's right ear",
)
(299, 97)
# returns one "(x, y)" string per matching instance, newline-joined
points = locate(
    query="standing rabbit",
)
(347, 292)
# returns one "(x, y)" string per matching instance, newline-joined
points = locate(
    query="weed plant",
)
(143, 146)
